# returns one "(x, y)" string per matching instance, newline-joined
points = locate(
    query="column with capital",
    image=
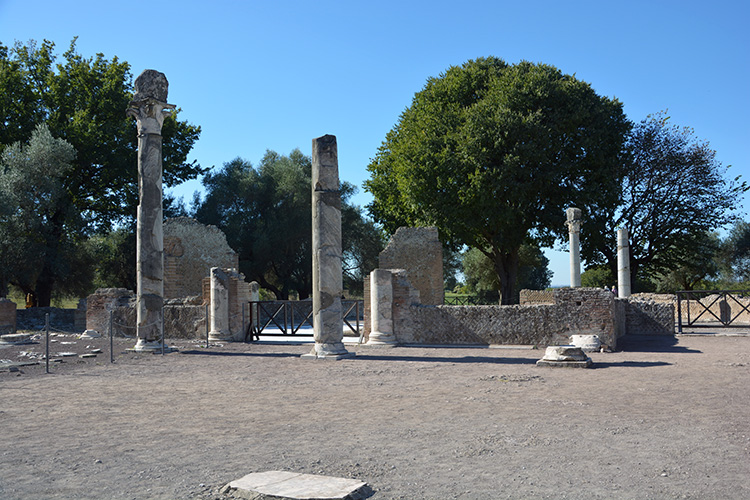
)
(574, 230)
(149, 107)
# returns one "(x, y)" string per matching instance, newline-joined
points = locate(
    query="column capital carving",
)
(149, 105)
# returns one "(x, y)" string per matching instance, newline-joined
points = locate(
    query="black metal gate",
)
(289, 317)
(713, 308)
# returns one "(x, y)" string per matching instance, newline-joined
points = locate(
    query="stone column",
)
(381, 308)
(149, 107)
(219, 306)
(328, 287)
(574, 229)
(623, 264)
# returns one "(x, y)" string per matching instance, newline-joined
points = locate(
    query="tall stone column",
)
(381, 308)
(574, 230)
(219, 306)
(149, 107)
(328, 287)
(623, 264)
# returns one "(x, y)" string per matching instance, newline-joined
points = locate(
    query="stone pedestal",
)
(381, 308)
(328, 324)
(564, 356)
(219, 306)
(149, 108)
(574, 230)
(623, 264)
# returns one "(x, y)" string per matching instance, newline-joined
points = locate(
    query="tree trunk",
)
(44, 285)
(506, 268)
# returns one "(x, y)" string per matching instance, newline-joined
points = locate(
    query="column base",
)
(381, 339)
(148, 346)
(333, 351)
(220, 337)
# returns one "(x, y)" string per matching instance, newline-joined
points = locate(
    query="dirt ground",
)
(663, 418)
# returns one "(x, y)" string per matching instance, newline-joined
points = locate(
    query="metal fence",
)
(291, 317)
(713, 308)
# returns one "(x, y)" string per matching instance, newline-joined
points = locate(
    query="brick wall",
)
(419, 252)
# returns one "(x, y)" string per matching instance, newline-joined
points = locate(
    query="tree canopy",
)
(492, 154)
(41, 244)
(81, 101)
(266, 214)
(674, 194)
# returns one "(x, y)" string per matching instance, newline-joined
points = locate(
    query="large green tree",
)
(41, 243)
(481, 279)
(674, 192)
(83, 101)
(492, 153)
(266, 214)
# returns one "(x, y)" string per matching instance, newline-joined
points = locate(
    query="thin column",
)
(328, 287)
(623, 264)
(381, 308)
(219, 306)
(149, 108)
(574, 229)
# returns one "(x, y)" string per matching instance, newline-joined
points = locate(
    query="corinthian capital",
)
(149, 105)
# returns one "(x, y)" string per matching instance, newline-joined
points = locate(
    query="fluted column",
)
(149, 107)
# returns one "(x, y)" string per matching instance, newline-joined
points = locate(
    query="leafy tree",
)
(42, 246)
(598, 276)
(83, 101)
(492, 154)
(481, 279)
(674, 192)
(266, 214)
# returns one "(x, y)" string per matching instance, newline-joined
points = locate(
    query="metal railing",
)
(712, 308)
(289, 317)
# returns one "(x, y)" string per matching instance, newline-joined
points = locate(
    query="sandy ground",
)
(664, 418)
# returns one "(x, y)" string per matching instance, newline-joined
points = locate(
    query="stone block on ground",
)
(278, 485)
(564, 356)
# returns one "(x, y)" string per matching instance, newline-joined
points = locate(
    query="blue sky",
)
(274, 75)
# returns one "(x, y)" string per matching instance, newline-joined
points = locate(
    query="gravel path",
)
(663, 418)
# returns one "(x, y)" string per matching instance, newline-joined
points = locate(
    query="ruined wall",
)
(419, 252)
(191, 249)
(531, 297)
(7, 316)
(647, 317)
(581, 311)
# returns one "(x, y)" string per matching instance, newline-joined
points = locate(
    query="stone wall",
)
(60, 320)
(7, 316)
(573, 311)
(530, 297)
(191, 249)
(647, 317)
(419, 252)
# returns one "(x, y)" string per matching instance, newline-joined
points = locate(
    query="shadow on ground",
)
(652, 343)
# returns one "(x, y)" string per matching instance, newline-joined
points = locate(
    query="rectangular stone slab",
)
(296, 486)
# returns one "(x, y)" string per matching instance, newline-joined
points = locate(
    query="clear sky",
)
(275, 74)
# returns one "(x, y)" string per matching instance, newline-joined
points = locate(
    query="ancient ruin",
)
(419, 251)
(381, 310)
(191, 249)
(149, 107)
(328, 288)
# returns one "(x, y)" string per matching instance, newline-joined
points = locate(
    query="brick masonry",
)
(418, 251)
(191, 249)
